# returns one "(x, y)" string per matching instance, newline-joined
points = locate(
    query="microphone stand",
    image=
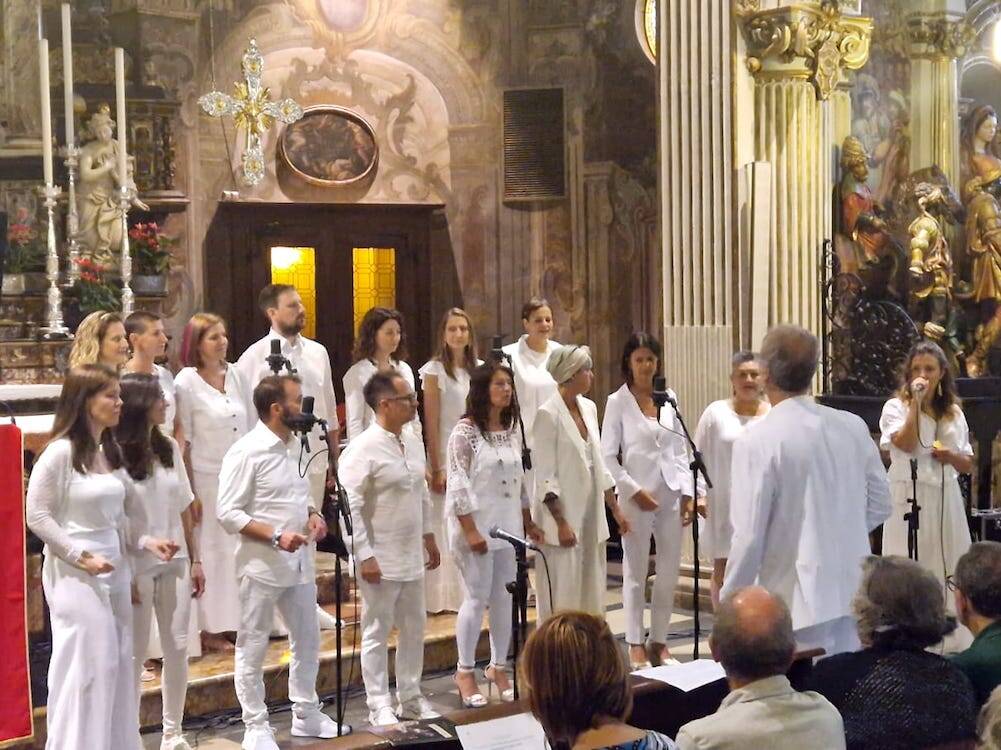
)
(499, 355)
(912, 516)
(518, 588)
(698, 466)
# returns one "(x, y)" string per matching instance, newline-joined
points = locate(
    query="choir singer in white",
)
(383, 472)
(809, 486)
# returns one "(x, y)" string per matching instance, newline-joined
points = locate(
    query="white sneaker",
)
(327, 620)
(382, 717)
(177, 742)
(316, 724)
(259, 738)
(417, 708)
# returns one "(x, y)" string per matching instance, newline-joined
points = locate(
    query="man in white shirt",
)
(283, 307)
(264, 500)
(382, 471)
(752, 638)
(809, 486)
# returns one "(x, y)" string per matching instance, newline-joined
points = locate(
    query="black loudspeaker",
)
(3, 244)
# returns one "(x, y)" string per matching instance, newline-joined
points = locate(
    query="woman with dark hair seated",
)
(577, 686)
(893, 693)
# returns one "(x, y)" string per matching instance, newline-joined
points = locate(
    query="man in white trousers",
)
(809, 486)
(382, 471)
(283, 307)
(264, 500)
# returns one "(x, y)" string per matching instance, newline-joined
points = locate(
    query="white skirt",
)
(219, 607)
(443, 588)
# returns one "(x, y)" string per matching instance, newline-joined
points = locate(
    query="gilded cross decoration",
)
(252, 110)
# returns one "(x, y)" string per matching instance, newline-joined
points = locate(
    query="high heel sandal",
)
(476, 700)
(490, 675)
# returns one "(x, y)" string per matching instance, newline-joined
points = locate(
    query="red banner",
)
(15, 707)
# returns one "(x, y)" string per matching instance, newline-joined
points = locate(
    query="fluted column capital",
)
(938, 36)
(814, 41)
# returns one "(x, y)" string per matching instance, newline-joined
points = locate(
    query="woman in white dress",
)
(924, 422)
(529, 355)
(571, 483)
(78, 506)
(486, 488)
(445, 382)
(100, 339)
(649, 461)
(381, 346)
(721, 424)
(160, 485)
(212, 409)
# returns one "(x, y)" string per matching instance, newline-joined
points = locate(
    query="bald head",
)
(790, 355)
(752, 637)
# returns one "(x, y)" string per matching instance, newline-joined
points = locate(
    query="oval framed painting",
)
(330, 146)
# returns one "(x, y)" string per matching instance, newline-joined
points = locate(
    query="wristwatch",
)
(276, 538)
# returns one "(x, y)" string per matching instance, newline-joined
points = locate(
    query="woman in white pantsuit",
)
(445, 382)
(924, 422)
(649, 462)
(164, 589)
(212, 409)
(571, 481)
(78, 506)
(486, 488)
(529, 355)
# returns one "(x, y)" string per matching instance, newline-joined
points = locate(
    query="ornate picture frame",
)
(330, 146)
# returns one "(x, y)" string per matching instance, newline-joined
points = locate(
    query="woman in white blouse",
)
(148, 342)
(529, 355)
(571, 482)
(381, 346)
(160, 485)
(649, 462)
(486, 488)
(445, 382)
(924, 422)
(212, 409)
(720, 425)
(100, 339)
(78, 506)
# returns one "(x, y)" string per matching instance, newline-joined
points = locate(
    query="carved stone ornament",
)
(812, 40)
(939, 37)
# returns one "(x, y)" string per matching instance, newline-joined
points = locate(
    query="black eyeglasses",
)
(950, 583)
(408, 397)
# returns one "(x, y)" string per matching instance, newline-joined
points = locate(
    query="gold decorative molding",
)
(814, 38)
(938, 36)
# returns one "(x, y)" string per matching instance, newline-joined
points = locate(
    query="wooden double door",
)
(238, 257)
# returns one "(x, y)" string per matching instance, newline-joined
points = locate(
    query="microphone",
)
(305, 420)
(276, 360)
(496, 532)
(660, 394)
(497, 350)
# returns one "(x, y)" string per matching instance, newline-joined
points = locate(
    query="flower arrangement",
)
(94, 290)
(25, 248)
(151, 254)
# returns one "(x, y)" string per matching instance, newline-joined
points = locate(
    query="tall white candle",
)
(43, 75)
(68, 74)
(120, 101)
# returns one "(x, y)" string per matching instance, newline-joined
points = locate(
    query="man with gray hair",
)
(753, 639)
(809, 486)
(977, 587)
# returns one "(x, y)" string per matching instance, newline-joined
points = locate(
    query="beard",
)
(292, 329)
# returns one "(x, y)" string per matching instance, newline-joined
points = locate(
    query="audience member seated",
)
(752, 638)
(989, 726)
(893, 694)
(576, 681)
(977, 587)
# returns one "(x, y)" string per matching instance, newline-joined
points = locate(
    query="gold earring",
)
(939, 389)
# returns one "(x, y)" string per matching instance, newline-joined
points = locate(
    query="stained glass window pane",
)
(374, 280)
(297, 266)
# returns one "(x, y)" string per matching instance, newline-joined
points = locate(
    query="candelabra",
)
(72, 219)
(126, 194)
(54, 327)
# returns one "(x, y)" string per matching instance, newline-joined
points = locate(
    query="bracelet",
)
(196, 562)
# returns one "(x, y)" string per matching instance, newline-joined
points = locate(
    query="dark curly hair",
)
(374, 320)
(478, 399)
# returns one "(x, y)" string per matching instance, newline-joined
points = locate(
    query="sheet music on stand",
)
(518, 732)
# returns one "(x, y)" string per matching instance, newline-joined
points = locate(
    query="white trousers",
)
(575, 576)
(485, 578)
(220, 606)
(166, 591)
(836, 636)
(92, 697)
(664, 525)
(385, 604)
(297, 605)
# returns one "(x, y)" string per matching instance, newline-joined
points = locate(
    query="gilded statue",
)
(979, 131)
(99, 199)
(983, 243)
(931, 267)
(859, 209)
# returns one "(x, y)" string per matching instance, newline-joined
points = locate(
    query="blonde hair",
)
(194, 332)
(89, 335)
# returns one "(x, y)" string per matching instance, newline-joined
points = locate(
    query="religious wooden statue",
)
(859, 209)
(978, 142)
(931, 267)
(983, 243)
(99, 197)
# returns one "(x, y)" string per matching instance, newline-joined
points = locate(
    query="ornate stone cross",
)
(253, 111)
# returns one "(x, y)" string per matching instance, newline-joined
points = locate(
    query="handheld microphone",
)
(496, 532)
(276, 360)
(660, 394)
(914, 469)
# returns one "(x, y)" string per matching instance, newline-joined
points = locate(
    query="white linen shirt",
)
(211, 420)
(169, 397)
(260, 481)
(383, 476)
(312, 364)
(532, 380)
(357, 413)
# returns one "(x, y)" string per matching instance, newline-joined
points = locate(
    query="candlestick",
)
(54, 327)
(123, 176)
(68, 74)
(124, 184)
(72, 154)
(128, 298)
(43, 74)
